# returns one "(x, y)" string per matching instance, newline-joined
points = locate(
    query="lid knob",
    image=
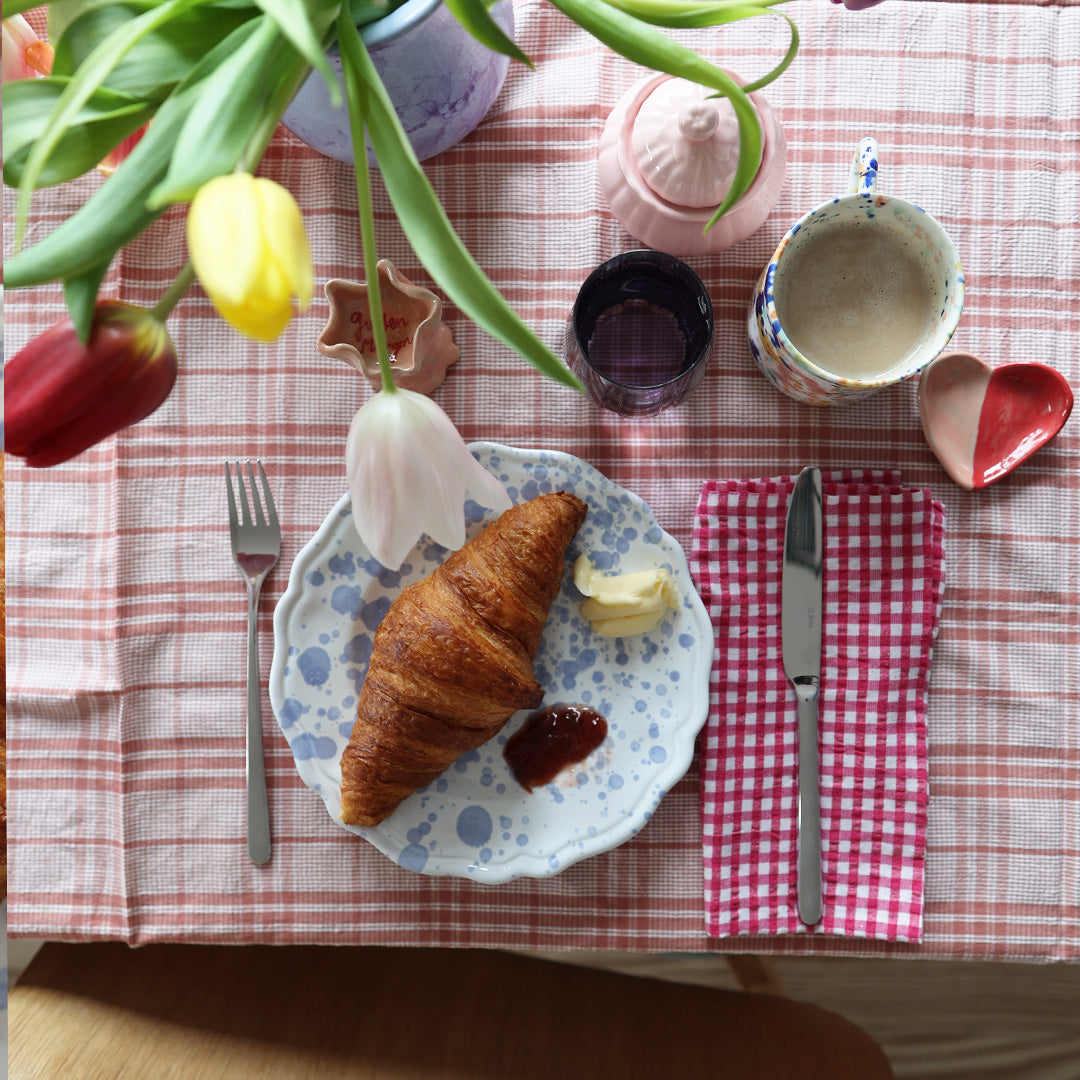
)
(698, 120)
(685, 143)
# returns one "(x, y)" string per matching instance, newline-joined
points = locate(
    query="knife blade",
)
(800, 631)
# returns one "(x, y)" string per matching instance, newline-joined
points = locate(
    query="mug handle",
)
(864, 168)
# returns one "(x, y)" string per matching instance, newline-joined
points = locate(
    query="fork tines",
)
(245, 518)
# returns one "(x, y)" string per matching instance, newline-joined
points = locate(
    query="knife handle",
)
(809, 806)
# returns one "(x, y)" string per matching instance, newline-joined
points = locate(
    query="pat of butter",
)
(623, 605)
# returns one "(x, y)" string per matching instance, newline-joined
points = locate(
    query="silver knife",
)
(800, 623)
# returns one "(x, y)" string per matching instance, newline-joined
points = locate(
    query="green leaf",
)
(158, 59)
(230, 105)
(79, 90)
(641, 44)
(113, 215)
(690, 13)
(475, 17)
(295, 23)
(793, 48)
(363, 12)
(105, 120)
(423, 219)
(17, 7)
(60, 14)
(80, 296)
(117, 212)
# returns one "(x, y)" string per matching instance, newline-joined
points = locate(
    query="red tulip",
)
(116, 156)
(61, 397)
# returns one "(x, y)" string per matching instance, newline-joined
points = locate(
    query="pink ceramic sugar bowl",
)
(667, 159)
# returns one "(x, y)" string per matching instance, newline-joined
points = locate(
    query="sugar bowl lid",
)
(685, 143)
(664, 187)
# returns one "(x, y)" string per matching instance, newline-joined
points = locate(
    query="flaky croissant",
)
(452, 659)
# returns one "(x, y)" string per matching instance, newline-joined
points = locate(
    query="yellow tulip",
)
(248, 247)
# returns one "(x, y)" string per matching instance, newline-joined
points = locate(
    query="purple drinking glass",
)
(641, 333)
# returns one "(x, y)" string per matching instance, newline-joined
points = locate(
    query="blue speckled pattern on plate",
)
(475, 821)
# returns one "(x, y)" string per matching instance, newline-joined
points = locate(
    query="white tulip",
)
(409, 470)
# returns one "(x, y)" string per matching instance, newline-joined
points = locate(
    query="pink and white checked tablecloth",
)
(126, 614)
(883, 582)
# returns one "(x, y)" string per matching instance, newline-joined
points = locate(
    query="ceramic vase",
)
(441, 80)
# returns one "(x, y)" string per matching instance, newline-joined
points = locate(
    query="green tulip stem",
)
(371, 266)
(268, 124)
(174, 293)
(286, 86)
(367, 217)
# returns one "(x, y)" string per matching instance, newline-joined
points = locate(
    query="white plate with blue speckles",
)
(475, 821)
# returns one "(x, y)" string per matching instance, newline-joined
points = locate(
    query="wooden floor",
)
(935, 1019)
(206, 1012)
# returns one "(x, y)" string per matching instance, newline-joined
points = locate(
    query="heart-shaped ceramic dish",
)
(983, 421)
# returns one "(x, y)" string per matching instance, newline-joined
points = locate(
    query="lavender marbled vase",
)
(441, 80)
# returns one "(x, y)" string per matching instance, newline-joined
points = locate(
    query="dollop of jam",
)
(551, 739)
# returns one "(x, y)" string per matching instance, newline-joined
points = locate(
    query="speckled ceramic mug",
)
(862, 293)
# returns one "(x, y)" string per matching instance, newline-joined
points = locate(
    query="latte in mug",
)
(861, 293)
(857, 299)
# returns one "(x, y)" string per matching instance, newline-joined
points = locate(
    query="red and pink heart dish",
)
(983, 421)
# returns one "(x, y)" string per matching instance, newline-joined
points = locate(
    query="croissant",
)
(452, 658)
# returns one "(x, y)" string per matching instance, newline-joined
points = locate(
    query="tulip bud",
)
(118, 154)
(61, 397)
(409, 470)
(25, 55)
(249, 249)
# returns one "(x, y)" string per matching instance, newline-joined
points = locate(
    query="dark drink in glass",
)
(641, 332)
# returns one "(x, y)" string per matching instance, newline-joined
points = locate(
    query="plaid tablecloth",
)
(126, 614)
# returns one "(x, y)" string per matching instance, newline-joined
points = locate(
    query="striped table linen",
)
(126, 615)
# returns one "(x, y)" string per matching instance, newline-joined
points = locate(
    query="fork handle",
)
(258, 812)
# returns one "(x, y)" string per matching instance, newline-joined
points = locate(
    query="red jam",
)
(550, 740)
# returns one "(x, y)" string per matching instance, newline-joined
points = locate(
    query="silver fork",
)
(255, 547)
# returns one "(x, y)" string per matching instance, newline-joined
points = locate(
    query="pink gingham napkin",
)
(883, 584)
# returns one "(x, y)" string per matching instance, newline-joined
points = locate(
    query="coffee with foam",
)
(857, 298)
(862, 292)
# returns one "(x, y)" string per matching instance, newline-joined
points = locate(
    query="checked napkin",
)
(883, 584)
